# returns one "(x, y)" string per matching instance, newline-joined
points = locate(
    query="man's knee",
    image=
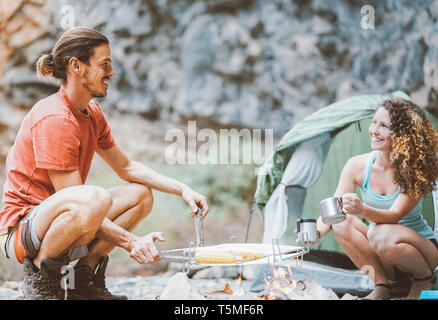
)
(98, 200)
(145, 199)
(92, 208)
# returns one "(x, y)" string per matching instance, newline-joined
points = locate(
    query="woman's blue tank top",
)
(413, 219)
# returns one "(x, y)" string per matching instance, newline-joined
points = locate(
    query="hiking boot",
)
(91, 285)
(43, 284)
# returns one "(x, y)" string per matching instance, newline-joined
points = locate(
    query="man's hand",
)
(351, 204)
(195, 201)
(143, 249)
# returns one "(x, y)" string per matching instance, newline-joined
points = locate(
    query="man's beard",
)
(86, 83)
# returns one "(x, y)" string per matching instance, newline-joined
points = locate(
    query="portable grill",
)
(268, 254)
(232, 254)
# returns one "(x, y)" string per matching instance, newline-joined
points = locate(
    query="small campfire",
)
(279, 286)
(279, 279)
(227, 289)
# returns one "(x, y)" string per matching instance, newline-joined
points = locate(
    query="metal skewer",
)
(199, 228)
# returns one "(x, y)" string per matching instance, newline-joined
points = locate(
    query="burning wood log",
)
(226, 290)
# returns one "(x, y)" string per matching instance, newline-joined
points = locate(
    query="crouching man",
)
(50, 217)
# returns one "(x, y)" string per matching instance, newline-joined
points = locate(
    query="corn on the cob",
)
(226, 257)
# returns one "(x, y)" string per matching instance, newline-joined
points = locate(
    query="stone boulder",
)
(179, 287)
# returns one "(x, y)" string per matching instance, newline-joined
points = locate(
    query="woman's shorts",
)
(22, 241)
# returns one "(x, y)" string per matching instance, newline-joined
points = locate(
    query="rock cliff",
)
(251, 63)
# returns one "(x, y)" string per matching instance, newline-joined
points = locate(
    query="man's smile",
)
(105, 81)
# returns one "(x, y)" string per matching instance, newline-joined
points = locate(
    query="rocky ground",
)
(310, 281)
(136, 288)
(285, 281)
(180, 287)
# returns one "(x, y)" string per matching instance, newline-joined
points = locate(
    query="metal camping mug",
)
(330, 210)
(306, 229)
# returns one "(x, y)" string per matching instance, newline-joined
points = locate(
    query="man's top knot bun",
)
(46, 65)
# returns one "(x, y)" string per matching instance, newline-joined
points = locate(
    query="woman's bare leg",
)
(409, 251)
(404, 248)
(351, 235)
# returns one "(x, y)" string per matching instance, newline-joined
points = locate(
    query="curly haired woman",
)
(393, 179)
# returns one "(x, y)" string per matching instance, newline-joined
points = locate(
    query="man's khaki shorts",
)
(22, 241)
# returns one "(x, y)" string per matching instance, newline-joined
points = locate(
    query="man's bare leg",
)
(131, 203)
(70, 218)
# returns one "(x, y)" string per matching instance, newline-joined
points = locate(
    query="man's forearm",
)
(140, 173)
(111, 232)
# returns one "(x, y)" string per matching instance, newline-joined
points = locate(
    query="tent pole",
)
(251, 211)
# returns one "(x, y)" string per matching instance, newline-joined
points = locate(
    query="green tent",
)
(342, 128)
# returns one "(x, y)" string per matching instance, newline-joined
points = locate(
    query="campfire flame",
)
(239, 283)
(228, 290)
(281, 285)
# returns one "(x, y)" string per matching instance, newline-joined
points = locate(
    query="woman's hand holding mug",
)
(351, 204)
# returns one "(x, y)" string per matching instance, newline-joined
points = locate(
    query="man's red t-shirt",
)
(53, 135)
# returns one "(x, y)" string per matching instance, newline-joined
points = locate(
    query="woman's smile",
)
(379, 130)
